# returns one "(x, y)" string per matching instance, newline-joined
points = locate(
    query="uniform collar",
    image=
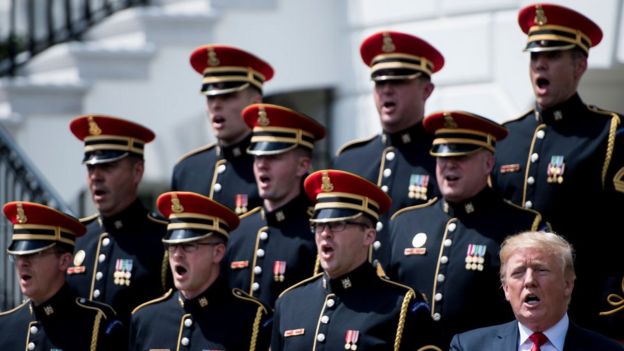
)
(404, 137)
(359, 277)
(214, 293)
(235, 150)
(56, 304)
(293, 209)
(469, 207)
(132, 213)
(561, 112)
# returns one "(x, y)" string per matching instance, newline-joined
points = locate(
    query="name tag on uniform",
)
(294, 332)
(76, 270)
(239, 264)
(511, 168)
(415, 251)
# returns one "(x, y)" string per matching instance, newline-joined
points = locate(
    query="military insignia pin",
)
(78, 268)
(21, 215)
(417, 188)
(388, 44)
(351, 339)
(123, 272)
(418, 242)
(475, 257)
(555, 169)
(241, 202)
(279, 270)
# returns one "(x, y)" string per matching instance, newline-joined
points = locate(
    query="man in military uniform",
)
(397, 160)
(121, 260)
(348, 305)
(204, 314)
(566, 160)
(232, 80)
(448, 248)
(53, 318)
(273, 249)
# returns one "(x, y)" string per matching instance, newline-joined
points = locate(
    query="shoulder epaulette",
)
(354, 143)
(107, 310)
(392, 282)
(196, 151)
(414, 207)
(513, 119)
(89, 219)
(305, 281)
(151, 302)
(153, 218)
(240, 294)
(250, 212)
(604, 112)
(538, 216)
(14, 309)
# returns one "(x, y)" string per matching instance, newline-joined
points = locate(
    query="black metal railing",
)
(19, 180)
(29, 27)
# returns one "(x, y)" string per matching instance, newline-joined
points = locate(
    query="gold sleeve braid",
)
(406, 301)
(256, 329)
(96, 331)
(615, 121)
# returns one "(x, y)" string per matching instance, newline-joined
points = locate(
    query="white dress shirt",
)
(555, 334)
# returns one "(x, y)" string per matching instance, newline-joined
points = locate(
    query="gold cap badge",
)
(94, 129)
(327, 185)
(540, 16)
(388, 44)
(176, 206)
(213, 60)
(449, 122)
(21, 215)
(263, 118)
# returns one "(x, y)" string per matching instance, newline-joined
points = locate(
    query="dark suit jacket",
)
(504, 337)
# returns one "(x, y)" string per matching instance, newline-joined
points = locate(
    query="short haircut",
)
(548, 242)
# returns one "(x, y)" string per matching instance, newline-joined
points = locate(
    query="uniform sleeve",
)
(113, 334)
(264, 332)
(277, 343)
(612, 300)
(418, 332)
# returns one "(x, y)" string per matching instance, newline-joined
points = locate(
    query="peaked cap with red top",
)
(108, 138)
(193, 217)
(399, 56)
(277, 129)
(37, 227)
(340, 195)
(554, 27)
(227, 69)
(460, 133)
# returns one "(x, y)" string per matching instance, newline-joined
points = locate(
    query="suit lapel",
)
(508, 337)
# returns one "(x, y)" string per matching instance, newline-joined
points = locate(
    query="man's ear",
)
(429, 87)
(580, 68)
(65, 260)
(219, 253)
(369, 236)
(303, 166)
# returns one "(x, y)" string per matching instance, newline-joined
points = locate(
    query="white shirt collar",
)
(555, 334)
